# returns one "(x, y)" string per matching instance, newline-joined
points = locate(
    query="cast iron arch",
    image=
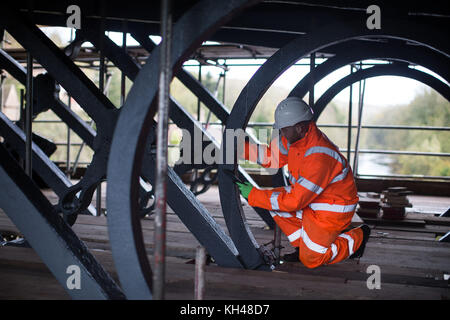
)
(394, 69)
(347, 53)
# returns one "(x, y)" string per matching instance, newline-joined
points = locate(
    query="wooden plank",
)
(411, 261)
(389, 274)
(428, 218)
(227, 283)
(20, 284)
(433, 229)
(403, 222)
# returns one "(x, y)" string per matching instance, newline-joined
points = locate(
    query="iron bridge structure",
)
(127, 141)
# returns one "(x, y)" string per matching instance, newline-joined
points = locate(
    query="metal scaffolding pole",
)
(29, 116)
(350, 112)
(198, 100)
(101, 86)
(22, 121)
(224, 81)
(312, 65)
(195, 173)
(123, 87)
(362, 89)
(165, 75)
(69, 103)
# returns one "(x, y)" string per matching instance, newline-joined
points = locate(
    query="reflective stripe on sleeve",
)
(281, 214)
(288, 189)
(309, 185)
(327, 151)
(350, 242)
(274, 200)
(332, 153)
(340, 176)
(332, 207)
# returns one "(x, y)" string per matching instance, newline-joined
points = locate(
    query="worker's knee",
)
(311, 259)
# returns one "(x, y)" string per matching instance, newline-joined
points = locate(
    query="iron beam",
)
(183, 120)
(43, 166)
(52, 239)
(77, 84)
(216, 107)
(128, 144)
(78, 125)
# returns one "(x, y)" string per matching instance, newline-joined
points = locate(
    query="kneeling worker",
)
(319, 204)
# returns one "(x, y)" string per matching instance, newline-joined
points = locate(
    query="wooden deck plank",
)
(223, 283)
(412, 263)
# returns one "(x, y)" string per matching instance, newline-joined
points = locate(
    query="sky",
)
(381, 91)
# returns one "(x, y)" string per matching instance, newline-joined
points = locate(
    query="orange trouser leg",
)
(290, 226)
(343, 242)
(320, 244)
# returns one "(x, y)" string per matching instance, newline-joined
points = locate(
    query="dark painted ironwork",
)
(78, 125)
(128, 143)
(53, 240)
(216, 107)
(62, 69)
(14, 68)
(84, 91)
(347, 53)
(43, 166)
(46, 97)
(395, 69)
(180, 117)
(29, 116)
(193, 214)
(132, 151)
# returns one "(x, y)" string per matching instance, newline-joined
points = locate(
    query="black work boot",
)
(366, 234)
(292, 257)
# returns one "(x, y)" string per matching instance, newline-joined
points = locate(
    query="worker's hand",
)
(245, 188)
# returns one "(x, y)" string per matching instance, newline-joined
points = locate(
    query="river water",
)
(374, 164)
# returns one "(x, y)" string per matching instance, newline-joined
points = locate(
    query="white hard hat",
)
(291, 111)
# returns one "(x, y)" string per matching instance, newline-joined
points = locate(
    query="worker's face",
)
(294, 133)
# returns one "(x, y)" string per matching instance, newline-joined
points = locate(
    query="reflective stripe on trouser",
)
(289, 224)
(319, 245)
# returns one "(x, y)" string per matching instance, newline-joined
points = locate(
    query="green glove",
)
(245, 188)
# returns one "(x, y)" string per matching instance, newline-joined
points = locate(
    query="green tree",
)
(427, 109)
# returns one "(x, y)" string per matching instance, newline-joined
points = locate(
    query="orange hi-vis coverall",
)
(320, 202)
